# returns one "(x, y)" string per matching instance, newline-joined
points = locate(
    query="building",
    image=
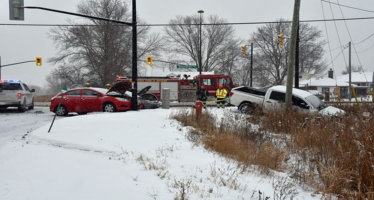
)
(361, 81)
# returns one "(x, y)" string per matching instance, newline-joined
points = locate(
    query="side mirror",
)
(32, 90)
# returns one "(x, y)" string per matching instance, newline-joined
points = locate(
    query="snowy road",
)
(14, 124)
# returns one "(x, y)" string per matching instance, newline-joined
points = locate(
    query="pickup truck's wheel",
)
(246, 108)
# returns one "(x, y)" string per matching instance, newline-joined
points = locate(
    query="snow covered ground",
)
(128, 155)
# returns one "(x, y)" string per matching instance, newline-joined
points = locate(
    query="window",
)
(90, 93)
(278, 96)
(73, 93)
(224, 81)
(252, 91)
(325, 90)
(299, 102)
(208, 81)
(25, 86)
(12, 86)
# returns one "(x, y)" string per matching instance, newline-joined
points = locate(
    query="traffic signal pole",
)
(1, 66)
(134, 97)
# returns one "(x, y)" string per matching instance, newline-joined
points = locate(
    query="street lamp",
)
(200, 62)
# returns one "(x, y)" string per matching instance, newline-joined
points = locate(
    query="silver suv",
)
(15, 93)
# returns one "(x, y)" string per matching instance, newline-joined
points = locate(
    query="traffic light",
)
(38, 61)
(149, 60)
(15, 12)
(244, 50)
(281, 40)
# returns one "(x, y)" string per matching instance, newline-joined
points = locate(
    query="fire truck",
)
(185, 88)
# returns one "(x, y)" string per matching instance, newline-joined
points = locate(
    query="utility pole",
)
(350, 72)
(290, 70)
(200, 59)
(297, 70)
(251, 64)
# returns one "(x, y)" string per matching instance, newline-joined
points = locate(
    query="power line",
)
(338, 4)
(365, 39)
(350, 36)
(337, 32)
(365, 50)
(328, 39)
(356, 43)
(205, 24)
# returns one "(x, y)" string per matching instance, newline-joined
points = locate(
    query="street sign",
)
(187, 66)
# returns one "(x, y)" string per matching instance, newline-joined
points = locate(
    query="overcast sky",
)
(21, 43)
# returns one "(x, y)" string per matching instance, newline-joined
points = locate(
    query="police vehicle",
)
(15, 93)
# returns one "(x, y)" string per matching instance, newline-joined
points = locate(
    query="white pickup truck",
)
(247, 99)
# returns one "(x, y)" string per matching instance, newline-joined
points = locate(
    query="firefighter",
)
(221, 95)
(108, 86)
(88, 84)
(203, 95)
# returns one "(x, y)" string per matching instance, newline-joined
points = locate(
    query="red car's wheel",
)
(60, 110)
(109, 107)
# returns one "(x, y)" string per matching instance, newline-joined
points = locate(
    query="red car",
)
(90, 99)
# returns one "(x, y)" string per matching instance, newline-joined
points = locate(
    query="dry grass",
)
(235, 141)
(45, 98)
(334, 154)
(339, 151)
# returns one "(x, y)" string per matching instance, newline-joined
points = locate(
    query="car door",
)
(275, 100)
(91, 100)
(28, 94)
(72, 100)
(210, 85)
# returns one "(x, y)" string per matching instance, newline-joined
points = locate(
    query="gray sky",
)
(20, 43)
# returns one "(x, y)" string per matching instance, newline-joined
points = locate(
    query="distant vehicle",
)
(247, 99)
(91, 99)
(183, 89)
(15, 93)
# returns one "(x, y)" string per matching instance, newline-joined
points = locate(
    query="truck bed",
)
(247, 94)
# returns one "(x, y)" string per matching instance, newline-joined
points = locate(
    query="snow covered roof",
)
(342, 80)
(322, 82)
(189, 74)
(164, 71)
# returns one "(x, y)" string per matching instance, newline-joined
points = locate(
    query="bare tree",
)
(354, 68)
(102, 50)
(183, 36)
(228, 60)
(271, 65)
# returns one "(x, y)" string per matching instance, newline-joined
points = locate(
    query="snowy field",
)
(128, 155)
